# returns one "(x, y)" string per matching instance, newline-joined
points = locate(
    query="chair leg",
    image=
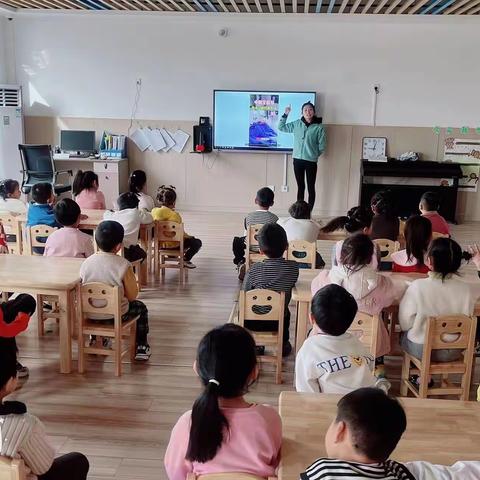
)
(162, 268)
(404, 376)
(424, 379)
(81, 348)
(278, 372)
(118, 355)
(40, 319)
(133, 341)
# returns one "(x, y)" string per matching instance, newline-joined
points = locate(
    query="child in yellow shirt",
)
(167, 197)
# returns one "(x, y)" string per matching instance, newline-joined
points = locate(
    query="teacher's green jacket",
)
(309, 140)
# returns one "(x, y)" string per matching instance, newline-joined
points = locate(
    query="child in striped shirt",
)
(274, 273)
(264, 200)
(361, 438)
(22, 435)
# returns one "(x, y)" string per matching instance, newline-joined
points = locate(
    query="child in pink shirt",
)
(372, 290)
(68, 241)
(223, 432)
(429, 205)
(86, 192)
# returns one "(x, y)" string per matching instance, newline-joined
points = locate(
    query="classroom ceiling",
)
(388, 7)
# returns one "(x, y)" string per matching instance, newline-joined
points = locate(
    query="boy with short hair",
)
(23, 435)
(264, 199)
(68, 241)
(429, 205)
(107, 267)
(332, 360)
(130, 217)
(360, 440)
(40, 212)
(274, 273)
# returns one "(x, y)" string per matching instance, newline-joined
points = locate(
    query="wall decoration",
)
(460, 150)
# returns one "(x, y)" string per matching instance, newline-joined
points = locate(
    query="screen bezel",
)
(254, 149)
(82, 131)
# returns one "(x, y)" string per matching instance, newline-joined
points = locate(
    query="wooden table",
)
(56, 276)
(438, 431)
(302, 294)
(91, 223)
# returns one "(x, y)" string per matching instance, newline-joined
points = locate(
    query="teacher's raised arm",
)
(309, 141)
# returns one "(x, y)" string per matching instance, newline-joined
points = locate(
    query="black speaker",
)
(202, 136)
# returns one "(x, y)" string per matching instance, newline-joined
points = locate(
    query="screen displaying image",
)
(248, 120)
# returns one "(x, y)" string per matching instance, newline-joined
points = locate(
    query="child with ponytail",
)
(223, 432)
(167, 198)
(137, 184)
(86, 192)
(10, 197)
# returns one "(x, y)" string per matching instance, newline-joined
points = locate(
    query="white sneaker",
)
(189, 264)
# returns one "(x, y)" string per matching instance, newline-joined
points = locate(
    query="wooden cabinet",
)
(112, 179)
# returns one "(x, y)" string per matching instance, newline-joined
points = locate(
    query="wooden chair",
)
(136, 267)
(437, 327)
(227, 476)
(303, 252)
(365, 328)
(251, 307)
(169, 232)
(105, 300)
(12, 226)
(253, 254)
(387, 247)
(32, 235)
(12, 469)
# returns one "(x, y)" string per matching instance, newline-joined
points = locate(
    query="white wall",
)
(3, 64)
(86, 65)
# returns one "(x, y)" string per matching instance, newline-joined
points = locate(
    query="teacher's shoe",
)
(189, 264)
(22, 371)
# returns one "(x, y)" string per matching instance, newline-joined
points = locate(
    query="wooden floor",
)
(123, 424)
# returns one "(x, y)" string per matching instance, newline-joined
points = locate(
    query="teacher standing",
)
(309, 142)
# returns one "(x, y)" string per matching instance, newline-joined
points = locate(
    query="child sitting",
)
(108, 267)
(371, 290)
(68, 241)
(357, 220)
(130, 217)
(429, 205)
(223, 432)
(14, 317)
(332, 360)
(23, 435)
(385, 224)
(167, 197)
(443, 292)
(41, 211)
(10, 197)
(86, 192)
(137, 184)
(365, 431)
(418, 233)
(274, 273)
(262, 216)
(299, 226)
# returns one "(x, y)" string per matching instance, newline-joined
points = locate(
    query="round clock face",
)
(373, 147)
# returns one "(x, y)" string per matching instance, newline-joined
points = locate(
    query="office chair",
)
(38, 166)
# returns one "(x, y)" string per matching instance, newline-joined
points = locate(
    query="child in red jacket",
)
(14, 316)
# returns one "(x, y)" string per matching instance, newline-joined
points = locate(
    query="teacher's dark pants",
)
(302, 167)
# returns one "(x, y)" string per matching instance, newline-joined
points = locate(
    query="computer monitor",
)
(80, 141)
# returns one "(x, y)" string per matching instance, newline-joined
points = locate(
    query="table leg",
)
(302, 323)
(65, 306)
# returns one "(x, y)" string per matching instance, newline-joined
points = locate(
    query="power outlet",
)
(284, 188)
(271, 187)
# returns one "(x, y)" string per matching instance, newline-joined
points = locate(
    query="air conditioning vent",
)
(10, 97)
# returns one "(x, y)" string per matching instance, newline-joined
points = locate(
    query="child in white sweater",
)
(332, 360)
(131, 218)
(444, 292)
